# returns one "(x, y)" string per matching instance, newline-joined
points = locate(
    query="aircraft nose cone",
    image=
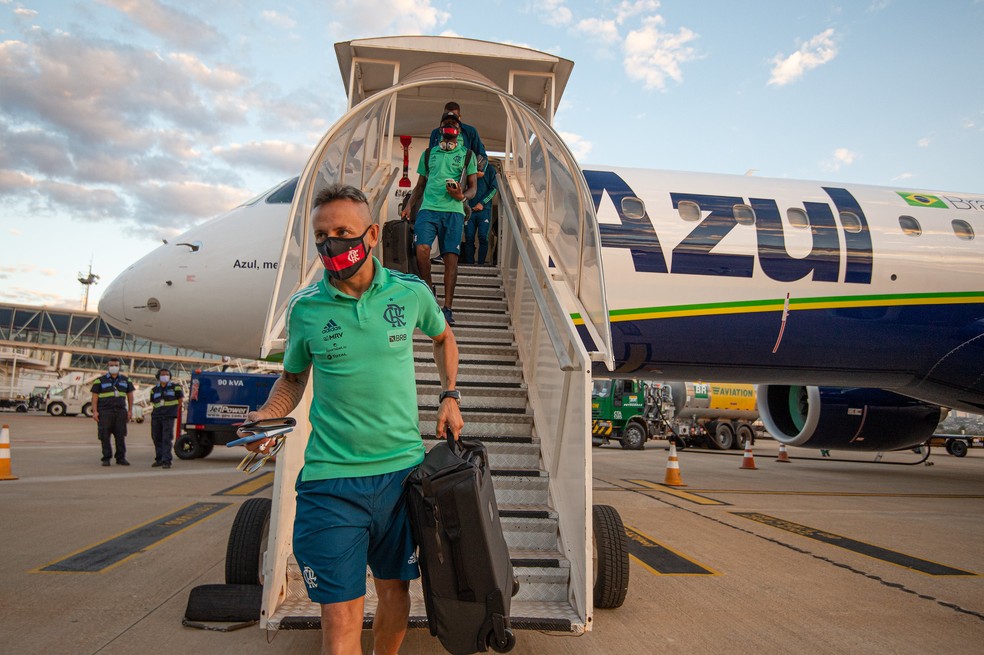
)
(111, 307)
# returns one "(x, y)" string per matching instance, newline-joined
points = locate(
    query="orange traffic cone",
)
(673, 478)
(748, 461)
(783, 455)
(5, 473)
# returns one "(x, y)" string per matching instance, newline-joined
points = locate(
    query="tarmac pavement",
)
(795, 557)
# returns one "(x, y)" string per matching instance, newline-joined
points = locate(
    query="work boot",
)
(448, 316)
(155, 464)
(122, 462)
(167, 465)
(105, 462)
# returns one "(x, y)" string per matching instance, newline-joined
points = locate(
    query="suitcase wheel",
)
(504, 646)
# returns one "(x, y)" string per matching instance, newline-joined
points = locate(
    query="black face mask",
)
(343, 257)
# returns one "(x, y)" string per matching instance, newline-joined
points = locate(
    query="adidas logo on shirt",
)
(331, 326)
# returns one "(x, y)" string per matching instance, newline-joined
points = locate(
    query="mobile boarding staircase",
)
(525, 373)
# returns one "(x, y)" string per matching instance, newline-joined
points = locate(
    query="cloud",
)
(841, 157)
(652, 55)
(23, 296)
(281, 157)
(167, 23)
(14, 232)
(902, 176)
(602, 30)
(188, 200)
(49, 272)
(379, 17)
(578, 145)
(626, 9)
(554, 12)
(22, 12)
(924, 142)
(279, 20)
(108, 131)
(819, 50)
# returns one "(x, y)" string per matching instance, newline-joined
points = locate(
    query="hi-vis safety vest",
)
(165, 396)
(110, 392)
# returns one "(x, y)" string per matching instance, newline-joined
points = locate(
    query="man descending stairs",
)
(496, 411)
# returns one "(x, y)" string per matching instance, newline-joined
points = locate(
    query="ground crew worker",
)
(112, 402)
(481, 216)
(166, 397)
(352, 333)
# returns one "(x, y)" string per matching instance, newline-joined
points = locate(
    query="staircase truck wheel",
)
(247, 542)
(633, 437)
(57, 409)
(611, 557)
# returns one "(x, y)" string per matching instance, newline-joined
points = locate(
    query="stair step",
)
(497, 373)
(489, 399)
(423, 347)
(507, 457)
(506, 425)
(470, 334)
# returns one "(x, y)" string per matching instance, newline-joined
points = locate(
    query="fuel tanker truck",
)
(712, 414)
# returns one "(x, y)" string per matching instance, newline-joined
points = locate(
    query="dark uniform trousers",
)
(112, 422)
(162, 433)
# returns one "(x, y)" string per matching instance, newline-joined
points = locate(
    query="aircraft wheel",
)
(188, 447)
(957, 448)
(247, 542)
(633, 437)
(611, 557)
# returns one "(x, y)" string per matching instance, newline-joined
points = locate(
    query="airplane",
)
(858, 309)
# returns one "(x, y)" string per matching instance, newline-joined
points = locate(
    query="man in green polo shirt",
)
(354, 330)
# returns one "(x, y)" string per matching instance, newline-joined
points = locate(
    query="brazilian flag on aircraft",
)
(921, 199)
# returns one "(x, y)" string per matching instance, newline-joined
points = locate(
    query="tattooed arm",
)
(284, 397)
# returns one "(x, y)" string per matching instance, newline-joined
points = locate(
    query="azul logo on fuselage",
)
(694, 256)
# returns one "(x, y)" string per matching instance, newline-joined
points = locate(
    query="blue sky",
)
(126, 121)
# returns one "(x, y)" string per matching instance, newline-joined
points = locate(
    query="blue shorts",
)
(344, 524)
(446, 226)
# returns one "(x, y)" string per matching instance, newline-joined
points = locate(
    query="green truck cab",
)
(618, 413)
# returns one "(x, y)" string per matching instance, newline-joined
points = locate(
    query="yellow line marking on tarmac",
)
(685, 495)
(646, 546)
(249, 487)
(903, 560)
(861, 494)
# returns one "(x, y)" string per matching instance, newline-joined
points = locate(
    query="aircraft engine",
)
(845, 418)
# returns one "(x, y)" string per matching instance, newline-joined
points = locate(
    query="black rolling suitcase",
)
(398, 251)
(465, 568)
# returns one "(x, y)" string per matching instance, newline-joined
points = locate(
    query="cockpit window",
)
(285, 194)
